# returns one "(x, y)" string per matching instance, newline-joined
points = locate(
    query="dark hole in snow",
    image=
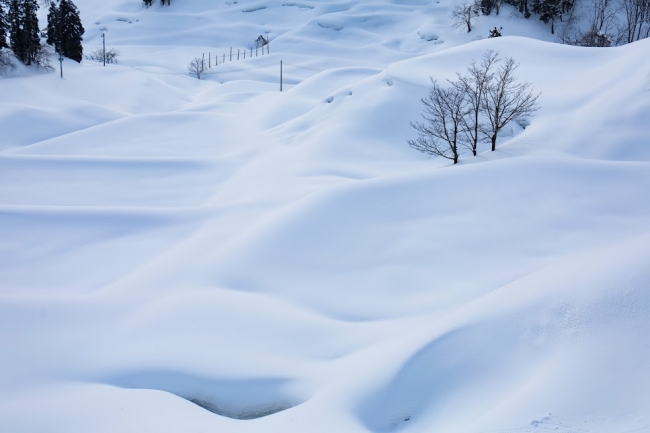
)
(242, 399)
(248, 414)
(254, 9)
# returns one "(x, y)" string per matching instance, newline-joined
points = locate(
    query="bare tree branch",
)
(463, 13)
(440, 134)
(505, 99)
(473, 85)
(196, 67)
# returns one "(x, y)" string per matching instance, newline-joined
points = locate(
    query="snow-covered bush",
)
(98, 55)
(6, 61)
(195, 67)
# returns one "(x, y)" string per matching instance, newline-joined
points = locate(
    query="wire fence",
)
(201, 65)
(214, 59)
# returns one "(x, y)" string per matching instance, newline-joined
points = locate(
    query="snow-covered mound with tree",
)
(216, 255)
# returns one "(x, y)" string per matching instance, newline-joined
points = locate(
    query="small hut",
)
(261, 41)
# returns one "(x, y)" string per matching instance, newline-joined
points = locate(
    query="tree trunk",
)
(494, 142)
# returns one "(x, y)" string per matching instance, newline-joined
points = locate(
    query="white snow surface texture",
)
(183, 255)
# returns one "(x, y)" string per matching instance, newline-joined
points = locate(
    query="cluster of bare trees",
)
(603, 23)
(593, 23)
(473, 109)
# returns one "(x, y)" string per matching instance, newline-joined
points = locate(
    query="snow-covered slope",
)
(286, 261)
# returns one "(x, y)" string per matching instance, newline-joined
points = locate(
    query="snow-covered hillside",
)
(283, 259)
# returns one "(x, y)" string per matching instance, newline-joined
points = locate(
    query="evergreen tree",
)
(32, 31)
(24, 39)
(64, 30)
(4, 27)
(14, 18)
(54, 27)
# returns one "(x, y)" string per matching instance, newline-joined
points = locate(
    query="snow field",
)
(167, 240)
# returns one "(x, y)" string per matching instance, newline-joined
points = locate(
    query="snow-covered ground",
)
(285, 260)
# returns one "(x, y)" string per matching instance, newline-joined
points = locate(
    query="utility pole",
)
(61, 63)
(104, 48)
(280, 75)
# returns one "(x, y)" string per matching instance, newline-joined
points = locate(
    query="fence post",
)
(267, 48)
(231, 54)
(224, 58)
(255, 51)
(209, 60)
(280, 75)
(202, 62)
(237, 53)
(251, 51)
(244, 54)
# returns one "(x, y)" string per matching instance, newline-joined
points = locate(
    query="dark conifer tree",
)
(32, 31)
(4, 27)
(71, 31)
(24, 38)
(64, 30)
(14, 19)
(54, 27)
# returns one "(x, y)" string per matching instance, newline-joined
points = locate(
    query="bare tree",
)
(196, 67)
(497, 6)
(473, 85)
(569, 32)
(98, 55)
(603, 25)
(441, 132)
(505, 99)
(463, 13)
(637, 15)
(603, 15)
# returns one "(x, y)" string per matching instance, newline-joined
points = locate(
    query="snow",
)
(286, 261)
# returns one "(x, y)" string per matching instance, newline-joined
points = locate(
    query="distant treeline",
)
(148, 3)
(592, 23)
